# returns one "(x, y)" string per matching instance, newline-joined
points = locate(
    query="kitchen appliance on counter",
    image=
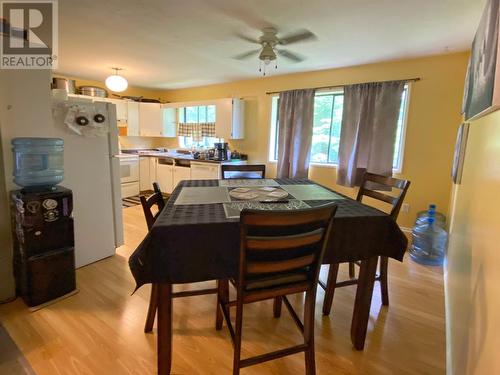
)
(220, 151)
(44, 253)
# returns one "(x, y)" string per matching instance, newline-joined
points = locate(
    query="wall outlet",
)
(405, 208)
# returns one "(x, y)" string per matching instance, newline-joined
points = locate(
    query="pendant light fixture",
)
(116, 82)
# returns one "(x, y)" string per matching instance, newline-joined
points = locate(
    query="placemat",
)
(202, 195)
(248, 182)
(233, 209)
(311, 192)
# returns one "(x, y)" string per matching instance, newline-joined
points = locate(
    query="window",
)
(327, 123)
(197, 115)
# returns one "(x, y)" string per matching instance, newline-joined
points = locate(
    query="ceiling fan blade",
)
(246, 55)
(247, 39)
(299, 36)
(290, 55)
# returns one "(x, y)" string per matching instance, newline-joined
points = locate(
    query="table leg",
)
(363, 301)
(164, 328)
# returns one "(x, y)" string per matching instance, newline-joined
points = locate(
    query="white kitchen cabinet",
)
(144, 180)
(132, 118)
(120, 105)
(165, 176)
(205, 171)
(181, 173)
(152, 171)
(230, 118)
(169, 118)
(150, 120)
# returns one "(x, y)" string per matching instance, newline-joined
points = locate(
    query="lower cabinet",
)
(144, 174)
(204, 171)
(181, 173)
(164, 176)
(152, 171)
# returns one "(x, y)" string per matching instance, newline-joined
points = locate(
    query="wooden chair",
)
(243, 171)
(396, 203)
(280, 254)
(147, 204)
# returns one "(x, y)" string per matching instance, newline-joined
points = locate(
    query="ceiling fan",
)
(269, 46)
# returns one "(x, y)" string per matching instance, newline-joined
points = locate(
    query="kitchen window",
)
(192, 117)
(327, 122)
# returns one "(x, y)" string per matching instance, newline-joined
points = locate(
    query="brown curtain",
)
(295, 126)
(369, 126)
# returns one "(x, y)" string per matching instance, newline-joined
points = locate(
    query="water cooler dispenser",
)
(42, 222)
(44, 257)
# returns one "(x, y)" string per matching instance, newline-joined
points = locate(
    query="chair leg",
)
(153, 306)
(330, 288)
(237, 337)
(222, 298)
(310, 302)
(277, 306)
(384, 288)
(352, 272)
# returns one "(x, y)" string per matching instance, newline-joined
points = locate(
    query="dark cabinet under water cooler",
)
(44, 256)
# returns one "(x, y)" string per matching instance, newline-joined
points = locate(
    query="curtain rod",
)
(339, 86)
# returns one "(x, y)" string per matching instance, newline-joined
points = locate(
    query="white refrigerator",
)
(92, 172)
(91, 168)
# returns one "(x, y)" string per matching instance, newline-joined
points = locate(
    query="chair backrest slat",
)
(247, 171)
(389, 182)
(280, 266)
(284, 242)
(280, 242)
(147, 204)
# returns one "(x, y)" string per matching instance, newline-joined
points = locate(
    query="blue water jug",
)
(429, 243)
(38, 162)
(439, 218)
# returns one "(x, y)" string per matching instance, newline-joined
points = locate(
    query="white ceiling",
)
(182, 43)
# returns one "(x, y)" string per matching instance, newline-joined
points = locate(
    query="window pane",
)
(191, 114)
(338, 106)
(202, 114)
(321, 128)
(210, 113)
(398, 145)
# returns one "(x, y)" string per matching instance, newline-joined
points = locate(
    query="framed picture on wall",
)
(482, 85)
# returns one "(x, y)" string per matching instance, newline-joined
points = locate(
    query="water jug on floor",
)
(429, 243)
(38, 162)
(439, 218)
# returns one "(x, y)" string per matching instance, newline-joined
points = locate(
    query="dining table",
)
(196, 238)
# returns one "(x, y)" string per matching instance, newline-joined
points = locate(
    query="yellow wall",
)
(472, 276)
(434, 115)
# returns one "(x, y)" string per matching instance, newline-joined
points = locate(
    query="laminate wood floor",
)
(100, 329)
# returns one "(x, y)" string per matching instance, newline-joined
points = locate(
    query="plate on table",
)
(267, 188)
(278, 194)
(243, 196)
(240, 190)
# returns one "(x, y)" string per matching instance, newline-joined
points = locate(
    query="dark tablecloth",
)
(191, 243)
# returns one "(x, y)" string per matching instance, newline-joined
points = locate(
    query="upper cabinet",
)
(133, 118)
(150, 120)
(169, 118)
(230, 118)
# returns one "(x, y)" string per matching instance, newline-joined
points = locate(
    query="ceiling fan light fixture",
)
(116, 82)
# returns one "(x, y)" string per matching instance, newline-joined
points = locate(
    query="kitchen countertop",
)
(182, 156)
